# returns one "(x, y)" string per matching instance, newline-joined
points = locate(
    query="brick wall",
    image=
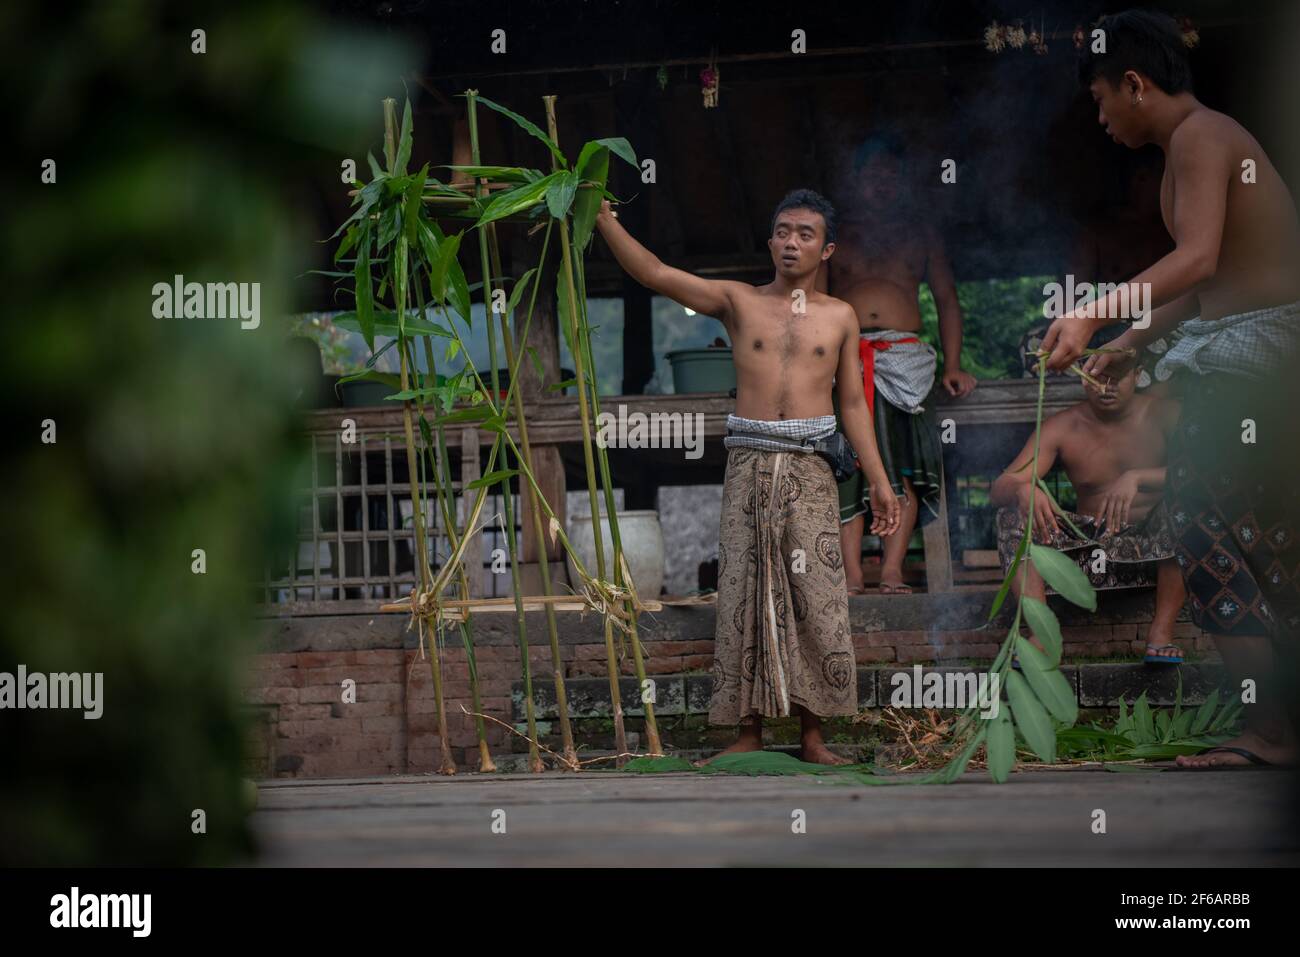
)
(392, 728)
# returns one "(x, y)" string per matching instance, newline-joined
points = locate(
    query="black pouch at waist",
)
(834, 448)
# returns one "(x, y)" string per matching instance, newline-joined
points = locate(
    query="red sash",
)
(867, 349)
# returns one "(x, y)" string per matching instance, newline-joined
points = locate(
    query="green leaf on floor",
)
(649, 765)
(768, 762)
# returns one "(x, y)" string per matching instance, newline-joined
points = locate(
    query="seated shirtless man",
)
(1112, 446)
(782, 641)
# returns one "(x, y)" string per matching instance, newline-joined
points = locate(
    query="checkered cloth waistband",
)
(787, 435)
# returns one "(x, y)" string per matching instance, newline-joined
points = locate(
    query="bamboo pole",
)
(534, 758)
(513, 361)
(447, 765)
(654, 746)
(442, 479)
(579, 361)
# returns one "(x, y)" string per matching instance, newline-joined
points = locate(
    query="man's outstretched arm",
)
(708, 296)
(885, 510)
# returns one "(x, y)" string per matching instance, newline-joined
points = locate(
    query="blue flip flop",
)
(1158, 659)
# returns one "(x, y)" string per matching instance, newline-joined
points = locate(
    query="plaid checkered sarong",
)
(1252, 344)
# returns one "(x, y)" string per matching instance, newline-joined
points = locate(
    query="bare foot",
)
(816, 752)
(894, 587)
(748, 741)
(1268, 751)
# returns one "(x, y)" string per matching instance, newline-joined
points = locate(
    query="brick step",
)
(1097, 685)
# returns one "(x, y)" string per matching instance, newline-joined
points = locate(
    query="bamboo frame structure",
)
(421, 253)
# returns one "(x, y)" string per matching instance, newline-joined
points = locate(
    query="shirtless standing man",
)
(1112, 446)
(886, 249)
(783, 640)
(1233, 282)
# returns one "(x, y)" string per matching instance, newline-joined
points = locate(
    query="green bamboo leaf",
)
(511, 201)
(1043, 623)
(1048, 683)
(587, 202)
(1030, 717)
(1205, 713)
(441, 268)
(492, 478)
(561, 386)
(528, 127)
(364, 292)
(1001, 746)
(348, 240)
(411, 205)
(458, 293)
(1063, 575)
(495, 424)
(376, 171)
(385, 324)
(621, 148)
(399, 282)
(365, 199)
(537, 362)
(1144, 729)
(412, 394)
(1163, 726)
(517, 293)
(478, 413)
(1001, 596)
(370, 375)
(1227, 717)
(559, 197)
(404, 142)
(390, 224)
(500, 174)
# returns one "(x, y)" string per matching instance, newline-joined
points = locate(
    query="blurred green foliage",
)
(172, 435)
(995, 315)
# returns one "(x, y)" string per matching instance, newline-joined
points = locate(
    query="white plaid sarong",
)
(1253, 344)
(794, 431)
(904, 373)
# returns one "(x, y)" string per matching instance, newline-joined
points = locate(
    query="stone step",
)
(1096, 685)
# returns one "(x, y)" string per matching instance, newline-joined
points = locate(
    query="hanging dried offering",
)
(709, 78)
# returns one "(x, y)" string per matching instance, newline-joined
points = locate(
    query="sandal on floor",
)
(900, 589)
(1256, 762)
(857, 591)
(1153, 656)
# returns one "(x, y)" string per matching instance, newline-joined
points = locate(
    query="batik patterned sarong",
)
(1233, 491)
(782, 615)
(1131, 553)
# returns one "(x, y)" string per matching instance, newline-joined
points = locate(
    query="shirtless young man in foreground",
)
(1233, 282)
(782, 641)
(1112, 446)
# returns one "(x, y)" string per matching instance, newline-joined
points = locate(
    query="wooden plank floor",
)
(1185, 819)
